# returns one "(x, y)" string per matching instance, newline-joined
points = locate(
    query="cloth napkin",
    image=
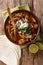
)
(10, 53)
(5, 13)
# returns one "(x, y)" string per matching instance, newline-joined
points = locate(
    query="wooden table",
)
(37, 8)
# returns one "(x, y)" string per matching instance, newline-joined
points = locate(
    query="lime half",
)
(33, 48)
(40, 45)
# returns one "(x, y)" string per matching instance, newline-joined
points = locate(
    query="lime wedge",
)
(40, 45)
(33, 48)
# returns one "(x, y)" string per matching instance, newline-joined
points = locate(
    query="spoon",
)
(12, 20)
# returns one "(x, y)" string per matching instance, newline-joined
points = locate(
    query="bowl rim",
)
(34, 16)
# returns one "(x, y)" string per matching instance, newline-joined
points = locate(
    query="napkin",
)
(10, 53)
(23, 7)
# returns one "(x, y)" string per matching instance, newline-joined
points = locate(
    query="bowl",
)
(31, 15)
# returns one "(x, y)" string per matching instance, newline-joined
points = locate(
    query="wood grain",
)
(29, 2)
(38, 11)
(3, 4)
(2, 63)
(26, 58)
(16, 3)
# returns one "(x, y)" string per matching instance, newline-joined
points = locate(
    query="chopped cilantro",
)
(28, 30)
(22, 29)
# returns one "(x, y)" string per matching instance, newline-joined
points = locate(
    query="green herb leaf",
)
(23, 29)
(28, 30)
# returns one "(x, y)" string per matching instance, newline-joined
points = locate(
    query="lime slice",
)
(40, 45)
(33, 48)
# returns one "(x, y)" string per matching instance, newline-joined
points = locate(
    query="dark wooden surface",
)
(37, 9)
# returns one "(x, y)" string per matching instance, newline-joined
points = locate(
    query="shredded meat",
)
(21, 41)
